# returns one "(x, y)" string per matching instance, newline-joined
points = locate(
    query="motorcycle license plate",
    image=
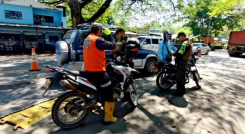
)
(47, 83)
(156, 70)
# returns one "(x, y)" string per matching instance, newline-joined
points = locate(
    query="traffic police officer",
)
(182, 56)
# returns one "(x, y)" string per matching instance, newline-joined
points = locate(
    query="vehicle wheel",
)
(196, 79)
(238, 54)
(149, 66)
(64, 111)
(132, 95)
(235, 55)
(162, 82)
(207, 52)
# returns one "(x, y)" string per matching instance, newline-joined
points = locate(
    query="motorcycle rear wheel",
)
(66, 105)
(163, 84)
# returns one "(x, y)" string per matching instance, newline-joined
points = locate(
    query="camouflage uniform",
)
(120, 46)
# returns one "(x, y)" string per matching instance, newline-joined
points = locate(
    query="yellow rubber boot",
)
(108, 110)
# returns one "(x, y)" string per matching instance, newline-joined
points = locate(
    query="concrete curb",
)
(8, 112)
(39, 55)
(22, 71)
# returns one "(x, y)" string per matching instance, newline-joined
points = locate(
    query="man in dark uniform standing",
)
(182, 56)
(121, 44)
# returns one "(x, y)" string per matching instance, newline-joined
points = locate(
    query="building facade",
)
(26, 24)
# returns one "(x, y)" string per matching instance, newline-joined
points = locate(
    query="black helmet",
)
(167, 32)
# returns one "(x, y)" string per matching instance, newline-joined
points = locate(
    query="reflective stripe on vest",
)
(182, 49)
(94, 59)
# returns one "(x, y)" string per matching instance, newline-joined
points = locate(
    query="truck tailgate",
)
(237, 38)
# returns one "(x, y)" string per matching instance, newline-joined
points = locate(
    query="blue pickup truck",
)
(69, 52)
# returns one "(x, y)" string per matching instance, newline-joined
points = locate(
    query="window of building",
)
(38, 19)
(13, 15)
(53, 39)
(30, 41)
(10, 42)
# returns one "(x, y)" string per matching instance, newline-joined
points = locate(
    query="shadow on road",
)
(174, 100)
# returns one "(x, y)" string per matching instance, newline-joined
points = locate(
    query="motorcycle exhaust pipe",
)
(67, 84)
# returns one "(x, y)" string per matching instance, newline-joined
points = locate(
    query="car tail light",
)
(156, 65)
(73, 55)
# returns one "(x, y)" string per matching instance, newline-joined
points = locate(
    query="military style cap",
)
(181, 33)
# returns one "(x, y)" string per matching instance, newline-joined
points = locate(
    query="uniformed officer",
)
(182, 56)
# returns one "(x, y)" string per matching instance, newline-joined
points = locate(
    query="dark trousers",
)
(103, 84)
(180, 76)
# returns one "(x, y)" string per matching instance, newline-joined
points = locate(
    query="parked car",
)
(203, 48)
(69, 53)
(150, 42)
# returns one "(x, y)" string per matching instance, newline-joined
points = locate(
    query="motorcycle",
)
(71, 109)
(166, 76)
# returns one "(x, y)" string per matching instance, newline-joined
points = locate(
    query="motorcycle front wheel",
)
(196, 79)
(132, 95)
(163, 82)
(65, 111)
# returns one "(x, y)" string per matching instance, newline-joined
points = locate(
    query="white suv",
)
(150, 42)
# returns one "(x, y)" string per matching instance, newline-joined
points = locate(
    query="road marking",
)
(30, 116)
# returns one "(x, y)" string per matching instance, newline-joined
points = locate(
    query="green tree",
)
(76, 7)
(137, 12)
(90, 10)
(225, 6)
(196, 14)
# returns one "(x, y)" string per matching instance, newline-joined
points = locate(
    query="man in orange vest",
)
(95, 65)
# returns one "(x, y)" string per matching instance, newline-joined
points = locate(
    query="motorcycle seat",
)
(169, 65)
(73, 72)
(78, 73)
(83, 74)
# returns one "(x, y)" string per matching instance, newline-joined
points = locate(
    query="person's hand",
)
(114, 50)
(172, 53)
(106, 31)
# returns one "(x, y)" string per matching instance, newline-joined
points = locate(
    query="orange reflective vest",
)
(94, 59)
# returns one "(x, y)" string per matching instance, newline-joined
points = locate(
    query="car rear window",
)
(204, 45)
(70, 35)
(196, 45)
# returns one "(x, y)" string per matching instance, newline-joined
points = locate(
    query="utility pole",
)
(208, 29)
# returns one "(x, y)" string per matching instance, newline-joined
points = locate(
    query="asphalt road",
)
(218, 107)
